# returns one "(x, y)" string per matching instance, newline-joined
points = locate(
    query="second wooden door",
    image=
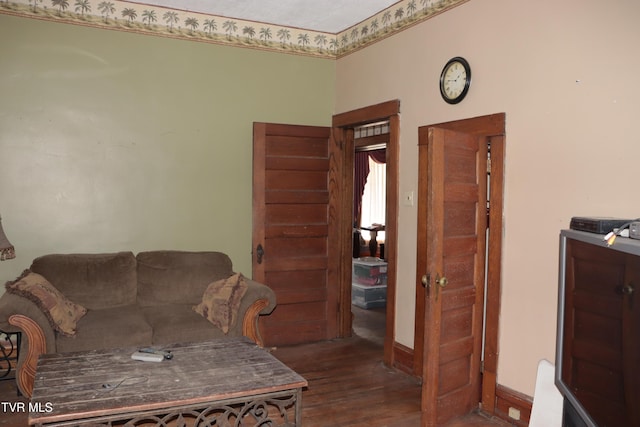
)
(292, 231)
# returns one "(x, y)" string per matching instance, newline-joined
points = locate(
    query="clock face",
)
(455, 80)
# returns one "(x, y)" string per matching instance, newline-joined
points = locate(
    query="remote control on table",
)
(166, 354)
(147, 357)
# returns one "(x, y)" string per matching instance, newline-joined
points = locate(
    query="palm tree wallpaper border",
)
(174, 23)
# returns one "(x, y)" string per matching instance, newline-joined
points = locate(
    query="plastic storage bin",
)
(369, 271)
(368, 296)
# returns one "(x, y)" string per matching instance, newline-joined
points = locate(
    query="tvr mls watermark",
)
(37, 407)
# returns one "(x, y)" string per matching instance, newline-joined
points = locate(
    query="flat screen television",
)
(598, 331)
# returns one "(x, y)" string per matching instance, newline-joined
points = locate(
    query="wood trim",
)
(343, 143)
(491, 125)
(343, 155)
(250, 327)
(367, 141)
(403, 358)
(391, 235)
(334, 239)
(36, 345)
(507, 398)
(366, 115)
(494, 273)
(421, 265)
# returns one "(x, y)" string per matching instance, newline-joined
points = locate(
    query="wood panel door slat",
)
(296, 196)
(296, 163)
(310, 230)
(296, 180)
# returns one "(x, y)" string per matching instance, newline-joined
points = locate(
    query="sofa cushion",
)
(96, 281)
(178, 277)
(221, 300)
(179, 323)
(123, 326)
(61, 313)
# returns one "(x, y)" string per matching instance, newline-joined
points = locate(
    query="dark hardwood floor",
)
(8, 395)
(350, 386)
(348, 383)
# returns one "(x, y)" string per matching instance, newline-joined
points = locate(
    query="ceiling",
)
(330, 16)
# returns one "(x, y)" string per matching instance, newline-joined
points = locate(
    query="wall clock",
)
(455, 80)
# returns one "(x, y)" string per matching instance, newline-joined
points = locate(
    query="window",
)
(374, 197)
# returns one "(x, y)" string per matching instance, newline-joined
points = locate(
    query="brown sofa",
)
(131, 301)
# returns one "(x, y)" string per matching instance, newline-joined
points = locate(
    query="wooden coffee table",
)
(229, 380)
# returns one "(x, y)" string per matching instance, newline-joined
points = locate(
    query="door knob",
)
(628, 290)
(442, 281)
(259, 253)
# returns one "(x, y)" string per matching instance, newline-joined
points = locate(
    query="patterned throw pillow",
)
(221, 300)
(62, 313)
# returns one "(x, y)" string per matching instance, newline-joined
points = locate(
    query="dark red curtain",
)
(361, 172)
(378, 156)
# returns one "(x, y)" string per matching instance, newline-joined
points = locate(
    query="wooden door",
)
(292, 231)
(452, 224)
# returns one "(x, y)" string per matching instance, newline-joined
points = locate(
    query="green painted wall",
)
(117, 141)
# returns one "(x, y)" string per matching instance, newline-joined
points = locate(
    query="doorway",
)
(369, 272)
(343, 153)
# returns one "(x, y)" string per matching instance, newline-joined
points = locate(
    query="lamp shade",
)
(6, 248)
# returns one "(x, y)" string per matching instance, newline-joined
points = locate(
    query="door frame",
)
(342, 155)
(492, 129)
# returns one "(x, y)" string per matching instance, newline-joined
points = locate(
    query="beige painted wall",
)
(565, 75)
(115, 141)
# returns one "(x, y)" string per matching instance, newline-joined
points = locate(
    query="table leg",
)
(373, 243)
(299, 407)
